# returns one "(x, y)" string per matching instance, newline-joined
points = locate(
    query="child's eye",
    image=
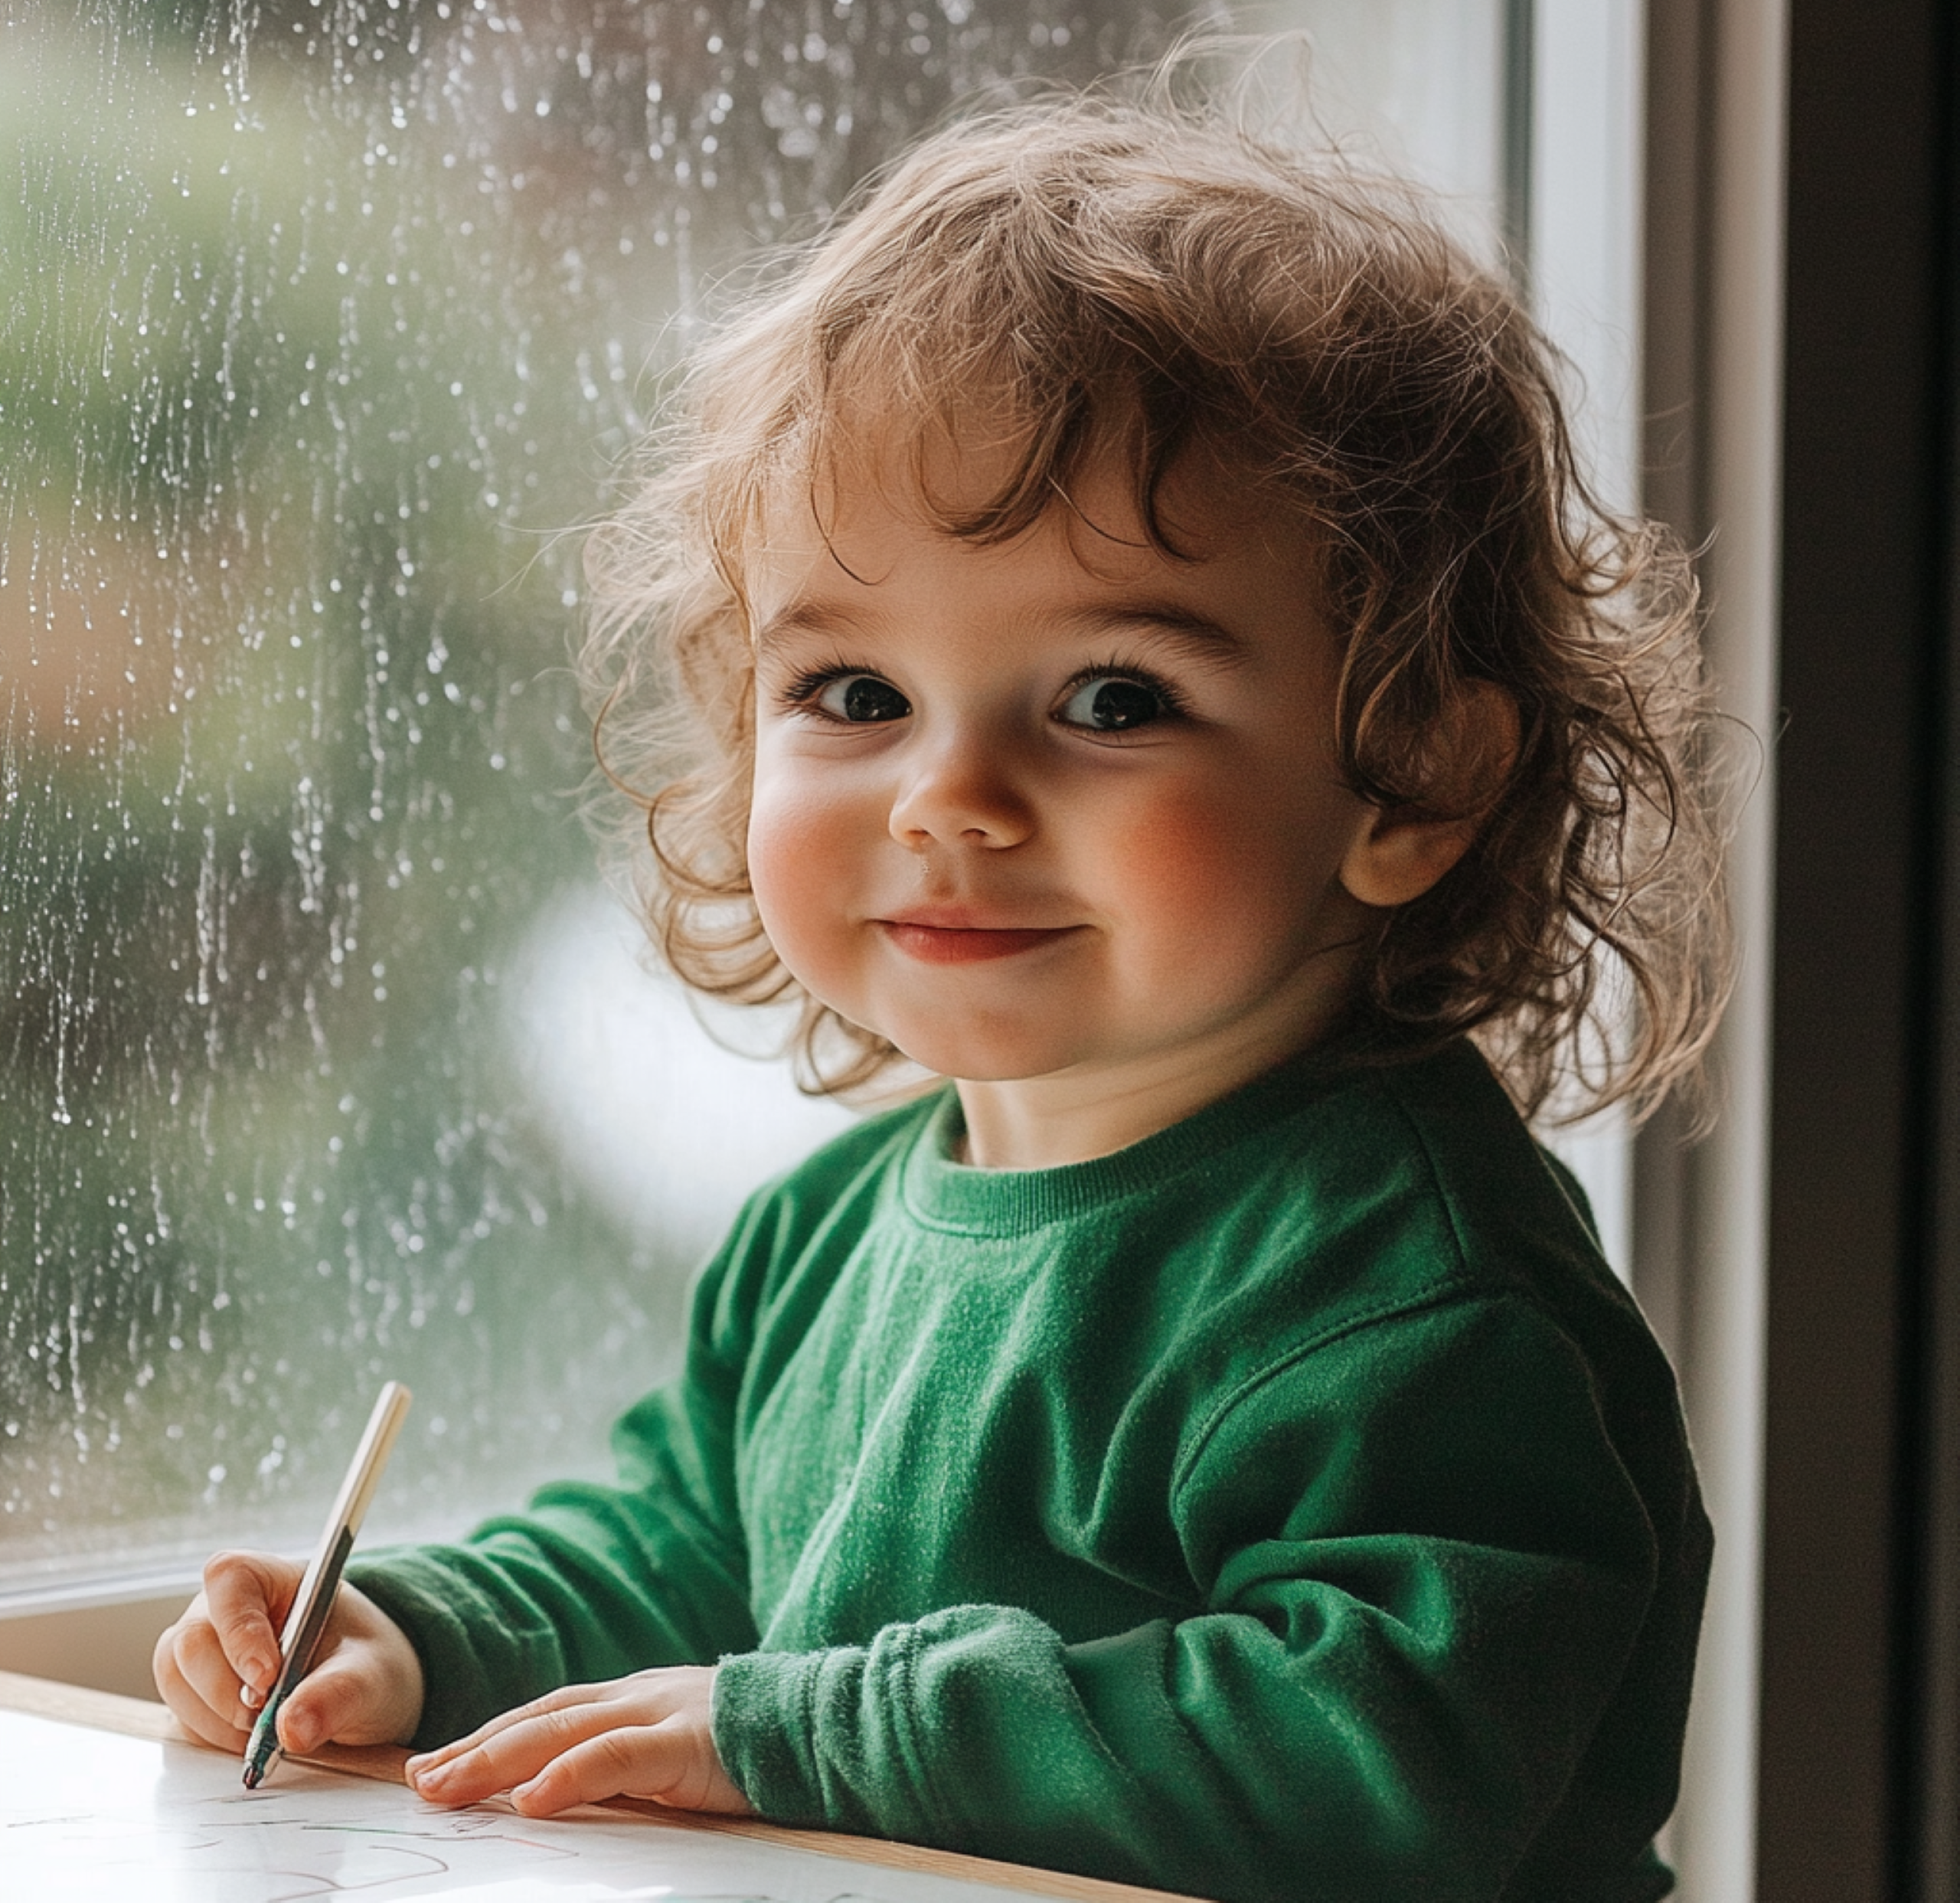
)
(858, 698)
(1115, 703)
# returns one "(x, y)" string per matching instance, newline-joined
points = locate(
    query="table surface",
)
(943, 1873)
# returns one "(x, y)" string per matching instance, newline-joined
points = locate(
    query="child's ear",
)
(1398, 853)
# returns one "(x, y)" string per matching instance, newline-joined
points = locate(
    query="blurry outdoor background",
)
(324, 1057)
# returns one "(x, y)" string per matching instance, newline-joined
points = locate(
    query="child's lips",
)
(932, 942)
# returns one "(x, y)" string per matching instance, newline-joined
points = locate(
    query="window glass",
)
(322, 1057)
(1419, 86)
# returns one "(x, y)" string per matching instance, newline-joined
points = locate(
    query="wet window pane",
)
(322, 1057)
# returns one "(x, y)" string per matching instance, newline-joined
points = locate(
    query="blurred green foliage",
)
(317, 323)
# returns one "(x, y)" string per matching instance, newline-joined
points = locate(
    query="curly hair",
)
(1097, 270)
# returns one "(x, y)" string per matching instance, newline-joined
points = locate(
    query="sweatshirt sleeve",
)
(1420, 1570)
(593, 1581)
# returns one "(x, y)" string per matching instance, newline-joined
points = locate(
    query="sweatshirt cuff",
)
(765, 1723)
(840, 1740)
(828, 1740)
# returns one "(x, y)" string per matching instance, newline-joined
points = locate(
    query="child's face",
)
(1063, 810)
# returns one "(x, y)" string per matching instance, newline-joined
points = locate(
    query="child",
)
(1150, 662)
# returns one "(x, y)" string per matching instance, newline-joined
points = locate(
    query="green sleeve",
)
(592, 1582)
(1421, 1570)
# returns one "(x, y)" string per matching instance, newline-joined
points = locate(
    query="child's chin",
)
(970, 1060)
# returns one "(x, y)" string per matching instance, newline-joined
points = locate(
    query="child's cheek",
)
(800, 868)
(1204, 866)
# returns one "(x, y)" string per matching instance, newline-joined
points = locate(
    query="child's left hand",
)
(645, 1736)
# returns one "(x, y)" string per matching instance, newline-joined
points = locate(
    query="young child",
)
(1149, 660)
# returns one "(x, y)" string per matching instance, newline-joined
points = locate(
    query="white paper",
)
(89, 1816)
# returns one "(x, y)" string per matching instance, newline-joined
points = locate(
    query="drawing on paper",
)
(87, 1816)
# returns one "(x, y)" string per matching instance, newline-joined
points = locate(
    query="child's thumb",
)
(328, 1704)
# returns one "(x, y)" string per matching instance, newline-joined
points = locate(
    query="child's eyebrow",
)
(1198, 634)
(799, 617)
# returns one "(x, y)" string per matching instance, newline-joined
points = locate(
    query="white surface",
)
(1585, 238)
(87, 1815)
(1416, 86)
(1586, 203)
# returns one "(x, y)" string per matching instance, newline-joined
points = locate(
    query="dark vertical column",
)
(1853, 1015)
(1935, 1671)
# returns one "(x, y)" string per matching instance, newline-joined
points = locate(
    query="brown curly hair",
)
(1101, 269)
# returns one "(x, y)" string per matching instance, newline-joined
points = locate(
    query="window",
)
(323, 1057)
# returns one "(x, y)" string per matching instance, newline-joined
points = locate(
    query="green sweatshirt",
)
(1290, 1506)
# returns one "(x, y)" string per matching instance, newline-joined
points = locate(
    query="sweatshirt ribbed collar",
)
(946, 1194)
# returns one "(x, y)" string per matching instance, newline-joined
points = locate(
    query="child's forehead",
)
(948, 454)
(961, 474)
(869, 534)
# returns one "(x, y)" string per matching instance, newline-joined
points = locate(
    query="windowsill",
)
(100, 1634)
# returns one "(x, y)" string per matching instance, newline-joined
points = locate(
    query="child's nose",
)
(962, 787)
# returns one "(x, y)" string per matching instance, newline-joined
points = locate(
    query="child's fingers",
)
(209, 1672)
(649, 1735)
(564, 1697)
(243, 1593)
(196, 1681)
(640, 1761)
(513, 1747)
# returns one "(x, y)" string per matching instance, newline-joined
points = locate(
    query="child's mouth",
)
(961, 945)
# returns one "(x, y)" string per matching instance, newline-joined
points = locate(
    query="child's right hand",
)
(216, 1666)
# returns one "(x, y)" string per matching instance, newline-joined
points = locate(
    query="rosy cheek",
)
(1189, 860)
(799, 868)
